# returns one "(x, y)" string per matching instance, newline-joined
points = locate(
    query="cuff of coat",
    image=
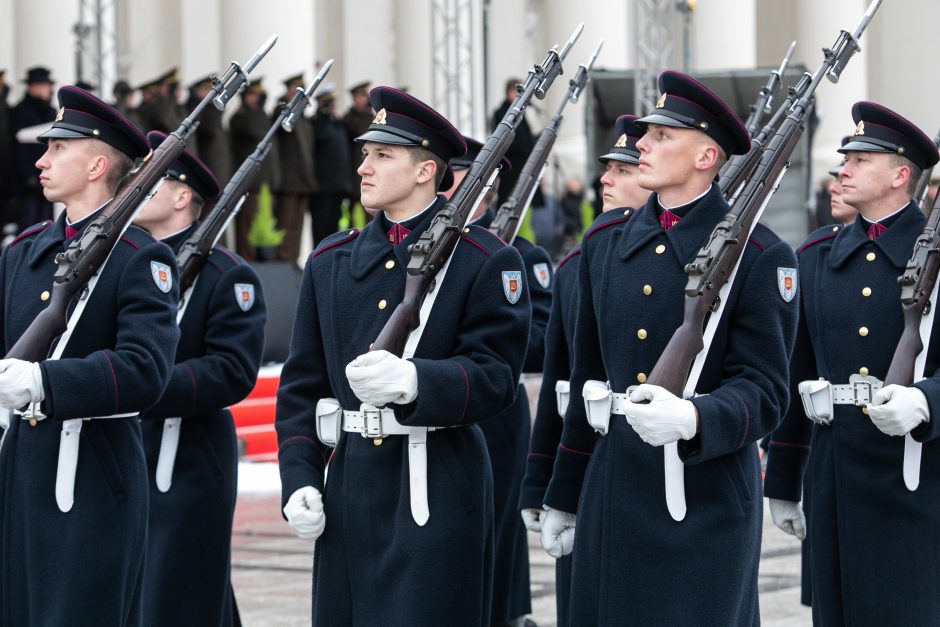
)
(930, 429)
(443, 395)
(297, 462)
(564, 490)
(784, 476)
(717, 435)
(538, 474)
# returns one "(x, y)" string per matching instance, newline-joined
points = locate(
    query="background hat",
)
(189, 169)
(473, 150)
(85, 85)
(835, 171)
(686, 103)
(360, 88)
(83, 116)
(296, 80)
(38, 74)
(879, 129)
(627, 134)
(205, 81)
(403, 120)
(256, 86)
(326, 92)
(122, 88)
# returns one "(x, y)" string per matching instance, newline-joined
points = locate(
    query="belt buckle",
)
(372, 424)
(863, 388)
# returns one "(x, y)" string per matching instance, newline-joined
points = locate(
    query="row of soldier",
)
(419, 523)
(454, 556)
(311, 171)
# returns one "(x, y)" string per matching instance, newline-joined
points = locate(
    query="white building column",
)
(724, 35)
(818, 25)
(246, 24)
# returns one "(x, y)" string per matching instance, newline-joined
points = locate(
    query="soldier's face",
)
(620, 186)
(65, 168)
(161, 206)
(667, 156)
(842, 212)
(867, 177)
(389, 176)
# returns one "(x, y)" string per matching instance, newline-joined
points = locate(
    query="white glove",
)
(20, 383)
(379, 378)
(666, 418)
(897, 409)
(557, 534)
(788, 516)
(532, 519)
(304, 511)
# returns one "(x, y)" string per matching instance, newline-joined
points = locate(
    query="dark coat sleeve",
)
(541, 298)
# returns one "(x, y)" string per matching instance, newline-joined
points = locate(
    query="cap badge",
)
(860, 129)
(379, 117)
(621, 142)
(60, 114)
(661, 102)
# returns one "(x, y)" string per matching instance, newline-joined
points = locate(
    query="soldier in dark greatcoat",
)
(406, 515)
(189, 436)
(872, 537)
(28, 205)
(211, 140)
(73, 478)
(248, 127)
(620, 191)
(296, 178)
(507, 433)
(629, 554)
(331, 159)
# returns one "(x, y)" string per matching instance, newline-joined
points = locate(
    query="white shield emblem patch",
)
(512, 285)
(244, 295)
(162, 276)
(786, 283)
(542, 274)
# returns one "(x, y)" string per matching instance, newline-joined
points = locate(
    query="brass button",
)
(44, 296)
(641, 334)
(647, 289)
(835, 228)
(863, 331)
(866, 292)
(870, 257)
(865, 409)
(389, 264)
(33, 422)
(377, 441)
(660, 249)
(352, 232)
(626, 212)
(641, 378)
(466, 229)
(382, 304)
(863, 371)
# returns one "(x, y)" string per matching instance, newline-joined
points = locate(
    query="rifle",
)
(923, 183)
(711, 273)
(196, 249)
(506, 223)
(433, 248)
(767, 94)
(85, 256)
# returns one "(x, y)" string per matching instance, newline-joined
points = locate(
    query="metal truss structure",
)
(457, 65)
(96, 43)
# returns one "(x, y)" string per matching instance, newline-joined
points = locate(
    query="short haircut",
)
(511, 83)
(897, 161)
(119, 164)
(419, 154)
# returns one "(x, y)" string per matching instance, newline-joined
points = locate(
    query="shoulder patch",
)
(245, 295)
(335, 240)
(512, 285)
(162, 276)
(787, 283)
(542, 274)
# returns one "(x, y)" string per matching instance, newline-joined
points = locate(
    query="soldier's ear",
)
(98, 167)
(707, 156)
(426, 171)
(901, 177)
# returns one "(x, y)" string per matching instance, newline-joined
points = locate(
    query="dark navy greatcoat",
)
(546, 431)
(374, 565)
(507, 440)
(630, 557)
(875, 549)
(83, 567)
(187, 578)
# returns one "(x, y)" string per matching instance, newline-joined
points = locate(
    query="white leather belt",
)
(372, 422)
(562, 394)
(68, 452)
(819, 396)
(166, 458)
